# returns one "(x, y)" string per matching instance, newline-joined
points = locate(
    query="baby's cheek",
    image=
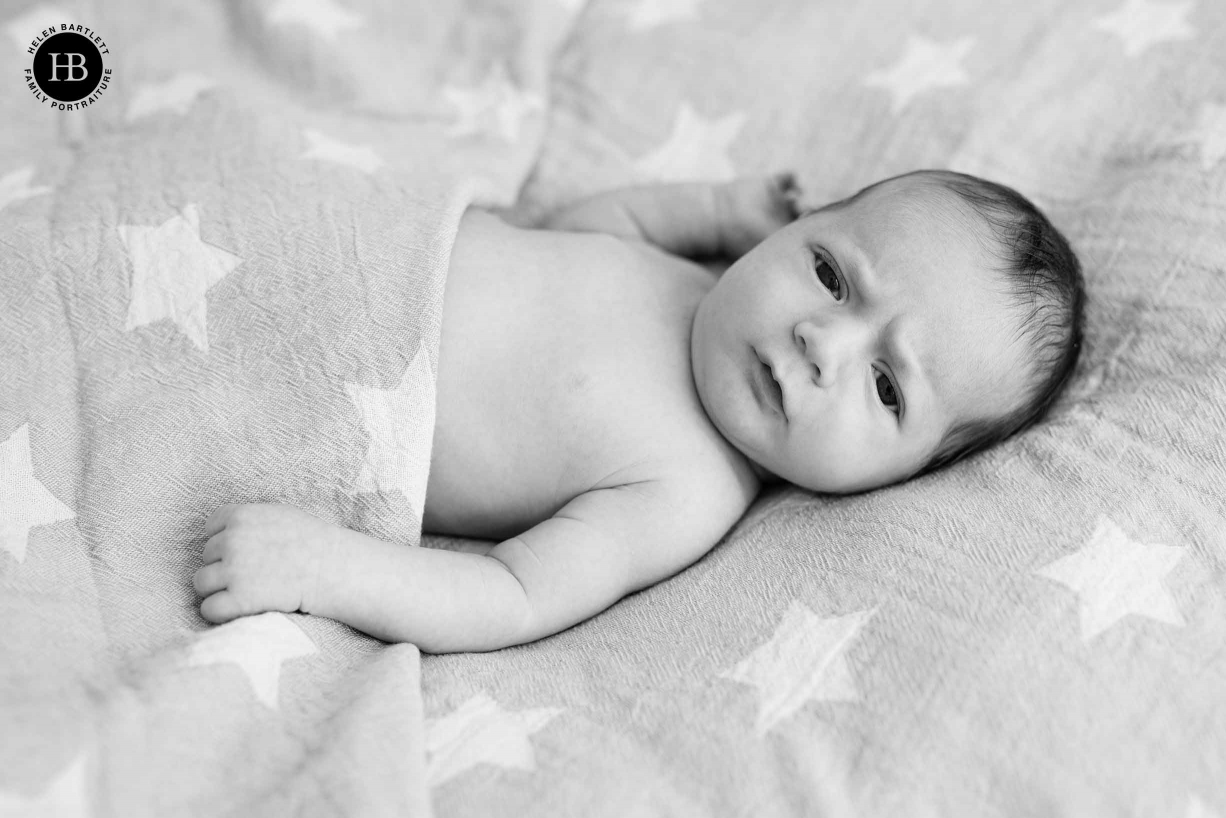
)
(840, 453)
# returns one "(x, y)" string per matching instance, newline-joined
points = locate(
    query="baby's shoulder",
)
(705, 490)
(661, 524)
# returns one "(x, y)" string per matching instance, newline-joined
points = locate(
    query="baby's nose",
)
(816, 352)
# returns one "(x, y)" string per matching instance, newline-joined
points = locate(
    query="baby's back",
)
(565, 369)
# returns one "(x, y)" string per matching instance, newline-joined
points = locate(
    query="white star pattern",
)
(25, 502)
(496, 106)
(1210, 133)
(1143, 23)
(653, 13)
(1115, 576)
(172, 269)
(176, 95)
(327, 149)
(325, 17)
(259, 645)
(481, 732)
(400, 422)
(15, 186)
(1198, 809)
(926, 65)
(24, 28)
(63, 797)
(696, 150)
(804, 661)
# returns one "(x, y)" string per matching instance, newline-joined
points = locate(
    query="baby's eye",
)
(827, 276)
(885, 391)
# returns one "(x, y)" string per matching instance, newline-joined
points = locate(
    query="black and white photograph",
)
(612, 408)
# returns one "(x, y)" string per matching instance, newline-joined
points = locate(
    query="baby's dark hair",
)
(1046, 281)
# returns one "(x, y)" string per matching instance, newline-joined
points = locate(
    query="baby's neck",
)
(761, 473)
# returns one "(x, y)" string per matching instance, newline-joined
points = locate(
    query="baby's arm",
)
(696, 220)
(601, 546)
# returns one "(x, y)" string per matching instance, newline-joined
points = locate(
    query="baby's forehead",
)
(907, 231)
(936, 260)
(917, 203)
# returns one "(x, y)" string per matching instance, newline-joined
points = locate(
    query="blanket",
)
(1036, 631)
(220, 284)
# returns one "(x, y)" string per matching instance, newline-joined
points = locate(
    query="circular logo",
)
(67, 71)
(68, 67)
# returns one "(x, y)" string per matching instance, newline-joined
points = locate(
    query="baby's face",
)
(836, 354)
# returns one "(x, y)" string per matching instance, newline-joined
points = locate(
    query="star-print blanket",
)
(218, 282)
(223, 283)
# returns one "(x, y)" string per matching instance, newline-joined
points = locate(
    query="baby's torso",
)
(565, 366)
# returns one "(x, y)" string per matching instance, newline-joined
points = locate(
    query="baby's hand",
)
(261, 557)
(753, 208)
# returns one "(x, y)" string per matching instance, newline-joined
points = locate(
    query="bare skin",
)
(607, 409)
(568, 432)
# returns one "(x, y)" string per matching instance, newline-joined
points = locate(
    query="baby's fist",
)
(753, 208)
(260, 557)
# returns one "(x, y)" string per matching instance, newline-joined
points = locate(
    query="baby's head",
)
(927, 317)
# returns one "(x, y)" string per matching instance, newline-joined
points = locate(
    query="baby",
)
(608, 407)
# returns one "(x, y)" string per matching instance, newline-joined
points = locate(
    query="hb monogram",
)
(68, 71)
(71, 65)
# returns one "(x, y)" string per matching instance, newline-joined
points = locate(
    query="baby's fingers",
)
(754, 208)
(221, 607)
(218, 519)
(213, 549)
(210, 579)
(788, 192)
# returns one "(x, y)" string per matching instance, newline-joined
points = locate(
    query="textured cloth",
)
(223, 283)
(1035, 632)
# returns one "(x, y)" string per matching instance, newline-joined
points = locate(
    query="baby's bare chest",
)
(564, 366)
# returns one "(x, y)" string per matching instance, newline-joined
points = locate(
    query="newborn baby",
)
(607, 407)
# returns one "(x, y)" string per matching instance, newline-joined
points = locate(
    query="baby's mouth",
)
(772, 391)
(776, 391)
